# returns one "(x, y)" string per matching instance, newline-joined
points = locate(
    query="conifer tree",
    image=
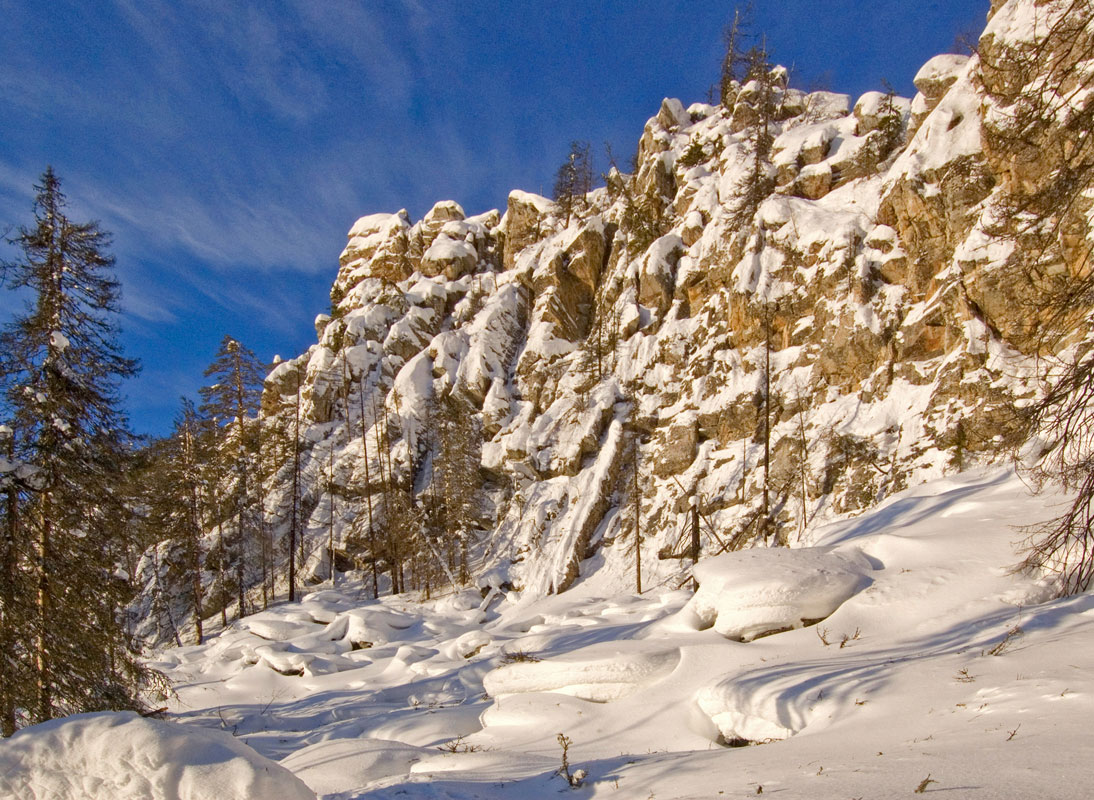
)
(228, 403)
(16, 588)
(295, 534)
(763, 92)
(733, 58)
(574, 179)
(458, 458)
(61, 365)
(367, 518)
(175, 498)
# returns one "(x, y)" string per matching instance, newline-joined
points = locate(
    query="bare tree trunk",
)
(223, 601)
(368, 495)
(294, 520)
(41, 648)
(766, 518)
(803, 465)
(330, 524)
(7, 605)
(637, 521)
(694, 538)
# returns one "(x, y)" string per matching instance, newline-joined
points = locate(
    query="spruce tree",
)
(175, 503)
(574, 179)
(229, 403)
(61, 365)
(458, 457)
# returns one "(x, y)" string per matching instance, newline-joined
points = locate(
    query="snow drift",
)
(124, 756)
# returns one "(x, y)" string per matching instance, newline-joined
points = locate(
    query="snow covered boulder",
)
(124, 756)
(449, 256)
(599, 674)
(751, 593)
(939, 73)
(377, 247)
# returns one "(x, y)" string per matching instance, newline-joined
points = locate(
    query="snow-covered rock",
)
(761, 591)
(856, 330)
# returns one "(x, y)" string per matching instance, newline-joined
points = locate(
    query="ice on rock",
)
(122, 756)
(749, 593)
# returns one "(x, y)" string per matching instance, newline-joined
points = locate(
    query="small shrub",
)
(923, 784)
(694, 155)
(458, 745)
(577, 777)
(1005, 643)
(518, 656)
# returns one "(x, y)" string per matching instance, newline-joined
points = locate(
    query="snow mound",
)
(598, 679)
(360, 762)
(269, 626)
(738, 725)
(746, 594)
(124, 756)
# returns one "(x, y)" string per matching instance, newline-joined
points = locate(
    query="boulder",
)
(815, 181)
(378, 248)
(425, 232)
(657, 279)
(939, 73)
(450, 257)
(525, 223)
(752, 593)
(678, 448)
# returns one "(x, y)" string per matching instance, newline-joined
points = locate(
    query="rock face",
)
(857, 333)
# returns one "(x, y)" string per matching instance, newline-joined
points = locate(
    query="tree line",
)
(244, 504)
(102, 532)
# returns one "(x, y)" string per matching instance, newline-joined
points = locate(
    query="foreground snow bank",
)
(126, 757)
(748, 593)
(941, 662)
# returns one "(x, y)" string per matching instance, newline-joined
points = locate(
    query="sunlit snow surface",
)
(920, 675)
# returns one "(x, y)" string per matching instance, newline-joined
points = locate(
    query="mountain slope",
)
(794, 307)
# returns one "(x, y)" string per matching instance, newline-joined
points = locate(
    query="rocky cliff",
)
(860, 328)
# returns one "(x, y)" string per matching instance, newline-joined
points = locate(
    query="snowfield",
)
(933, 663)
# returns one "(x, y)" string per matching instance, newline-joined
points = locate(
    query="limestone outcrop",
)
(860, 329)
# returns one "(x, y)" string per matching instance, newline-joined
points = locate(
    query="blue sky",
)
(228, 146)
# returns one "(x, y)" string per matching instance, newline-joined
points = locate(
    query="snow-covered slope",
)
(935, 662)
